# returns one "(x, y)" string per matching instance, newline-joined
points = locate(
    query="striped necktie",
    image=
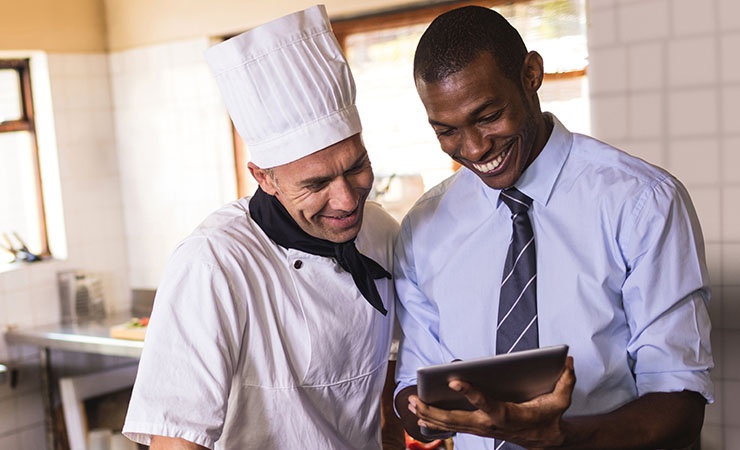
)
(517, 311)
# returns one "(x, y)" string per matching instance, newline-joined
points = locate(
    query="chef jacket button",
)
(298, 264)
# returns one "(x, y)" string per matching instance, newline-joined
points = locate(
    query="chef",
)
(273, 321)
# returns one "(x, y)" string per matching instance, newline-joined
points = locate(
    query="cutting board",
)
(127, 331)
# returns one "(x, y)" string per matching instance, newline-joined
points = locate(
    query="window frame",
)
(27, 123)
(400, 17)
(415, 15)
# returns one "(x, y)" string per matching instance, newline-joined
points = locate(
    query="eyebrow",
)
(323, 179)
(473, 114)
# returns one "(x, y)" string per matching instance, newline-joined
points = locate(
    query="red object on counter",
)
(413, 444)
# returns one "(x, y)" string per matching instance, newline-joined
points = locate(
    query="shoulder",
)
(378, 233)
(622, 181)
(608, 161)
(377, 223)
(378, 216)
(449, 191)
(226, 233)
(460, 195)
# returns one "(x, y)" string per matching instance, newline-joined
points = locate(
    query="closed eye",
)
(490, 117)
(359, 166)
(444, 132)
(316, 185)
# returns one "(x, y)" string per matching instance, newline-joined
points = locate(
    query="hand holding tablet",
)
(514, 377)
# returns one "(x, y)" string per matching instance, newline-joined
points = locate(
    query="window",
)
(22, 220)
(401, 144)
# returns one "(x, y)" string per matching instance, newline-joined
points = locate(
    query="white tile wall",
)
(613, 126)
(693, 112)
(645, 115)
(695, 161)
(692, 61)
(682, 95)
(690, 17)
(93, 219)
(729, 15)
(644, 66)
(174, 149)
(730, 115)
(731, 160)
(731, 307)
(642, 21)
(709, 208)
(730, 67)
(606, 70)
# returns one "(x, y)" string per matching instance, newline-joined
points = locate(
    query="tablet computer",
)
(513, 377)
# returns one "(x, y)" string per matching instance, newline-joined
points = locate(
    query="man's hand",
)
(536, 423)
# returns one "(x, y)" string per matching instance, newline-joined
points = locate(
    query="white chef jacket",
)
(252, 346)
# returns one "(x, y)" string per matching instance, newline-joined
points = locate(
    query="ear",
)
(266, 182)
(533, 71)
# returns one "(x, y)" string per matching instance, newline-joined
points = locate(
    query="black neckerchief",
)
(279, 226)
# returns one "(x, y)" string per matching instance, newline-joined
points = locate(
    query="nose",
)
(474, 146)
(343, 196)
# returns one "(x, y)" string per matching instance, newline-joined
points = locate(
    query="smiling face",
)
(324, 192)
(485, 121)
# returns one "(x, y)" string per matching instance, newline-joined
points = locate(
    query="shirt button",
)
(298, 264)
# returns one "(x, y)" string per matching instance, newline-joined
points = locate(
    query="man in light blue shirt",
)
(621, 273)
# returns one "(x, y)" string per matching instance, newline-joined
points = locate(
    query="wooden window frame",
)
(27, 123)
(394, 18)
(417, 15)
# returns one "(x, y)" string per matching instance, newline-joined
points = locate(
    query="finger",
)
(567, 381)
(441, 419)
(435, 425)
(413, 403)
(474, 396)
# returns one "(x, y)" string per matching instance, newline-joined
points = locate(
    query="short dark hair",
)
(456, 38)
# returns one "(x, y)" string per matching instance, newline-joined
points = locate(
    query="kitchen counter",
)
(91, 337)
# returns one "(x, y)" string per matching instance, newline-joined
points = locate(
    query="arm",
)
(169, 443)
(655, 420)
(391, 428)
(185, 370)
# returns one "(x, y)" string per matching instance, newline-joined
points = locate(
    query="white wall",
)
(665, 85)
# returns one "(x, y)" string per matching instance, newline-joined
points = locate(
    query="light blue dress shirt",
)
(621, 274)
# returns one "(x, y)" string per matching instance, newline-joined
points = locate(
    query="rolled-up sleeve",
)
(666, 292)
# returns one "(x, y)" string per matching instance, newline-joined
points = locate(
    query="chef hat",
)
(287, 87)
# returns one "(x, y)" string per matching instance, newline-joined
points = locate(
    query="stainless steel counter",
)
(92, 337)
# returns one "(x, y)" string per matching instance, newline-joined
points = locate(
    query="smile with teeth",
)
(492, 165)
(344, 217)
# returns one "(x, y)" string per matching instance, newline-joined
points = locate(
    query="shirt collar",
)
(538, 179)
